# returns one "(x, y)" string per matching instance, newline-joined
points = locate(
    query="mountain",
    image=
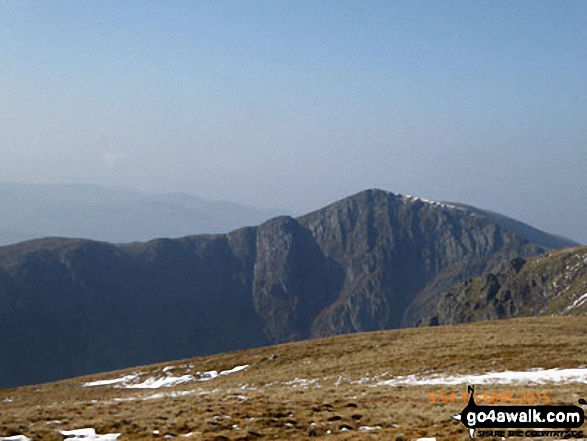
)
(32, 211)
(391, 385)
(372, 261)
(550, 284)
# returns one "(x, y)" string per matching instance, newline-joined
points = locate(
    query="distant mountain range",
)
(31, 211)
(375, 260)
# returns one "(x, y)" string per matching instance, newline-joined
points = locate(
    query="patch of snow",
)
(431, 202)
(129, 381)
(426, 439)
(369, 428)
(235, 369)
(536, 376)
(156, 383)
(579, 302)
(88, 434)
(221, 417)
(210, 375)
(15, 438)
(366, 379)
(207, 376)
(7, 400)
(300, 382)
(124, 400)
(124, 379)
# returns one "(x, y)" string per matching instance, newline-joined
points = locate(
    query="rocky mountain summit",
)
(375, 260)
(550, 284)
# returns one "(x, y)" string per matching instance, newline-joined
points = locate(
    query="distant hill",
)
(551, 284)
(374, 260)
(32, 211)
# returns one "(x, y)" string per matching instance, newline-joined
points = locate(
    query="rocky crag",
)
(550, 284)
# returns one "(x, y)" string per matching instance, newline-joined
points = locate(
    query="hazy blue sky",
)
(298, 103)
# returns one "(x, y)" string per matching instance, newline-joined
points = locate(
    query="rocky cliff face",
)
(372, 261)
(550, 284)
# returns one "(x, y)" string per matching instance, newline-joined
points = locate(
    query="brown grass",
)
(264, 403)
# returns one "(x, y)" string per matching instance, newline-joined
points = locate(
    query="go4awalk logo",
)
(565, 417)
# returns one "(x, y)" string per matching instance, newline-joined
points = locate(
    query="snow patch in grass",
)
(579, 302)
(88, 434)
(124, 379)
(169, 380)
(369, 428)
(156, 383)
(210, 375)
(300, 382)
(15, 438)
(536, 376)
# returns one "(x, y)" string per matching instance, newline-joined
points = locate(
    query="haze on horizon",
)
(297, 104)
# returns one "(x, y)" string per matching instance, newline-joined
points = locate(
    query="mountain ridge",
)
(531, 233)
(371, 261)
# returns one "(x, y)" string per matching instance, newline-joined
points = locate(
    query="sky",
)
(295, 104)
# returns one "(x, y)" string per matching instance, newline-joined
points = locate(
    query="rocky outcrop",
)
(551, 284)
(293, 279)
(372, 261)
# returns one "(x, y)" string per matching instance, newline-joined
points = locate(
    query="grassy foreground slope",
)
(295, 390)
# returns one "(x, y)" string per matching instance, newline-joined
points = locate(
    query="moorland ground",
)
(297, 390)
